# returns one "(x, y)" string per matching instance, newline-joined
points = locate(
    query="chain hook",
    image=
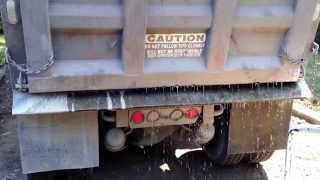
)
(315, 48)
(25, 68)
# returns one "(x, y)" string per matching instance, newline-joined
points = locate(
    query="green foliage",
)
(2, 50)
(2, 41)
(2, 56)
(313, 78)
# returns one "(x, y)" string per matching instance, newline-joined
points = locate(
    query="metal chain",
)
(315, 51)
(301, 61)
(27, 69)
(285, 55)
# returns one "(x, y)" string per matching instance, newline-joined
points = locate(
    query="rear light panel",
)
(152, 117)
(137, 117)
(192, 113)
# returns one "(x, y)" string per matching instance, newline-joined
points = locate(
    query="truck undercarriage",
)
(228, 123)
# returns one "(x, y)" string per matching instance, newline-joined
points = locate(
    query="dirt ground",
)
(302, 162)
(9, 150)
(5, 95)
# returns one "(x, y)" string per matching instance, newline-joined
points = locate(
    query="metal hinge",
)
(284, 54)
(314, 49)
(21, 82)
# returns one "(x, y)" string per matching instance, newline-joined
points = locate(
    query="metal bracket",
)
(307, 128)
(12, 12)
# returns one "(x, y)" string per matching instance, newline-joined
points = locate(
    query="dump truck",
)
(220, 75)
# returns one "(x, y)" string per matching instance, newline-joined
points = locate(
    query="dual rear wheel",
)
(250, 158)
(217, 149)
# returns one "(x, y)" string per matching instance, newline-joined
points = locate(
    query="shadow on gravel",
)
(137, 164)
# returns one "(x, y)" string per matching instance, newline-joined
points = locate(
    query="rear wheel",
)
(83, 174)
(232, 159)
(217, 149)
(257, 157)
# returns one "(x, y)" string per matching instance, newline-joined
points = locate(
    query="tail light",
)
(192, 113)
(137, 117)
(176, 114)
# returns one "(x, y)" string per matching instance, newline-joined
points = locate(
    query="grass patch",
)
(313, 83)
(2, 53)
(2, 41)
(313, 105)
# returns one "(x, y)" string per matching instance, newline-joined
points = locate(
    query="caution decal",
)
(174, 45)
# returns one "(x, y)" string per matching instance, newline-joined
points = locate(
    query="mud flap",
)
(252, 127)
(58, 141)
(259, 126)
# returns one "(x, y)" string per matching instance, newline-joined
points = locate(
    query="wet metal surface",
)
(24, 103)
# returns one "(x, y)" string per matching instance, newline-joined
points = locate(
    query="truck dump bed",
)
(129, 44)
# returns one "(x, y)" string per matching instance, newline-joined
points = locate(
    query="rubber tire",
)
(232, 160)
(83, 174)
(217, 149)
(257, 157)
(39, 176)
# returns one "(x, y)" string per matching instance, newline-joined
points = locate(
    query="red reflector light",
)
(192, 113)
(137, 117)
